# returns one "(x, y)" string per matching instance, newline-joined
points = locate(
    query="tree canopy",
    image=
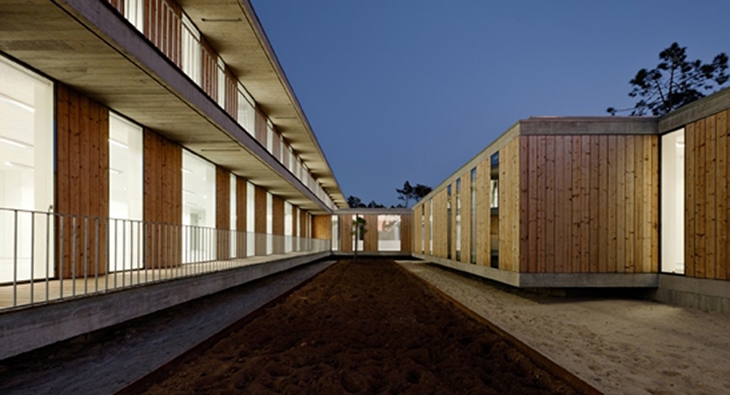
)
(675, 82)
(410, 192)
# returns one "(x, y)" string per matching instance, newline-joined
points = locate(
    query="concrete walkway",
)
(617, 346)
(107, 361)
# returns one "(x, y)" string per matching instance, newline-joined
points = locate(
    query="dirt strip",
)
(618, 346)
(364, 327)
(106, 361)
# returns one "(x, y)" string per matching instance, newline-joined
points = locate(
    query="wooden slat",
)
(621, 212)
(594, 206)
(646, 206)
(630, 236)
(532, 204)
(562, 227)
(223, 211)
(585, 190)
(541, 204)
(701, 201)
(603, 204)
(524, 221)
(655, 205)
(612, 204)
(689, 207)
(721, 207)
(407, 223)
(710, 194)
(576, 204)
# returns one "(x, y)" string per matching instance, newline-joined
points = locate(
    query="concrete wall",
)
(28, 329)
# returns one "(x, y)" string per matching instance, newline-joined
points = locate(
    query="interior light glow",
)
(15, 164)
(118, 144)
(115, 171)
(186, 171)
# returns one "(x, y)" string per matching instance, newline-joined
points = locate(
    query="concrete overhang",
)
(232, 28)
(88, 46)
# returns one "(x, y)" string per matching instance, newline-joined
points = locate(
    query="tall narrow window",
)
(246, 111)
(125, 191)
(388, 232)
(494, 210)
(221, 83)
(198, 208)
(250, 219)
(473, 216)
(191, 50)
(673, 201)
(335, 233)
(458, 219)
(26, 170)
(233, 215)
(288, 226)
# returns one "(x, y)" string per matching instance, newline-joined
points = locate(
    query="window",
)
(246, 111)
(26, 168)
(250, 219)
(191, 50)
(494, 210)
(672, 204)
(288, 226)
(125, 191)
(134, 13)
(335, 233)
(423, 229)
(221, 83)
(233, 215)
(388, 232)
(198, 208)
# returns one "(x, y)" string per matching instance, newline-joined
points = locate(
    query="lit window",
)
(191, 50)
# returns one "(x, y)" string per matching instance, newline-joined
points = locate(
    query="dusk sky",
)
(411, 90)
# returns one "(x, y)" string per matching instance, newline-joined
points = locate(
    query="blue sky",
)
(401, 90)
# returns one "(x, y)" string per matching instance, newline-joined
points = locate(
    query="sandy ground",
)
(617, 346)
(107, 360)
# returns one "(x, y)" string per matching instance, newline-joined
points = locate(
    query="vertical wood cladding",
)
(596, 212)
(260, 127)
(483, 213)
(241, 217)
(345, 235)
(277, 228)
(209, 69)
(223, 212)
(260, 219)
(82, 180)
(322, 227)
(509, 198)
(163, 27)
(370, 238)
(231, 103)
(162, 200)
(706, 197)
(406, 233)
(302, 223)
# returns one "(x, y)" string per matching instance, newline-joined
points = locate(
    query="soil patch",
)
(363, 328)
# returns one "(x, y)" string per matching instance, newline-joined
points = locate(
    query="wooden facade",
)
(568, 203)
(706, 197)
(82, 182)
(223, 212)
(162, 200)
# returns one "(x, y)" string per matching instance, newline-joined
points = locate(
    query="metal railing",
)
(46, 256)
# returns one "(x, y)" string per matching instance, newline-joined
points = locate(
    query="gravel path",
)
(106, 361)
(617, 346)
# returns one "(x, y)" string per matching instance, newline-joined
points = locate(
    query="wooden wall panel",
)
(509, 213)
(162, 200)
(231, 103)
(163, 27)
(209, 69)
(260, 127)
(277, 228)
(706, 194)
(345, 235)
(241, 217)
(370, 239)
(322, 227)
(303, 224)
(223, 212)
(601, 208)
(260, 219)
(406, 232)
(82, 180)
(483, 213)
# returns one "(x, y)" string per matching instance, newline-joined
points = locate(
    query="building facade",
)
(572, 202)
